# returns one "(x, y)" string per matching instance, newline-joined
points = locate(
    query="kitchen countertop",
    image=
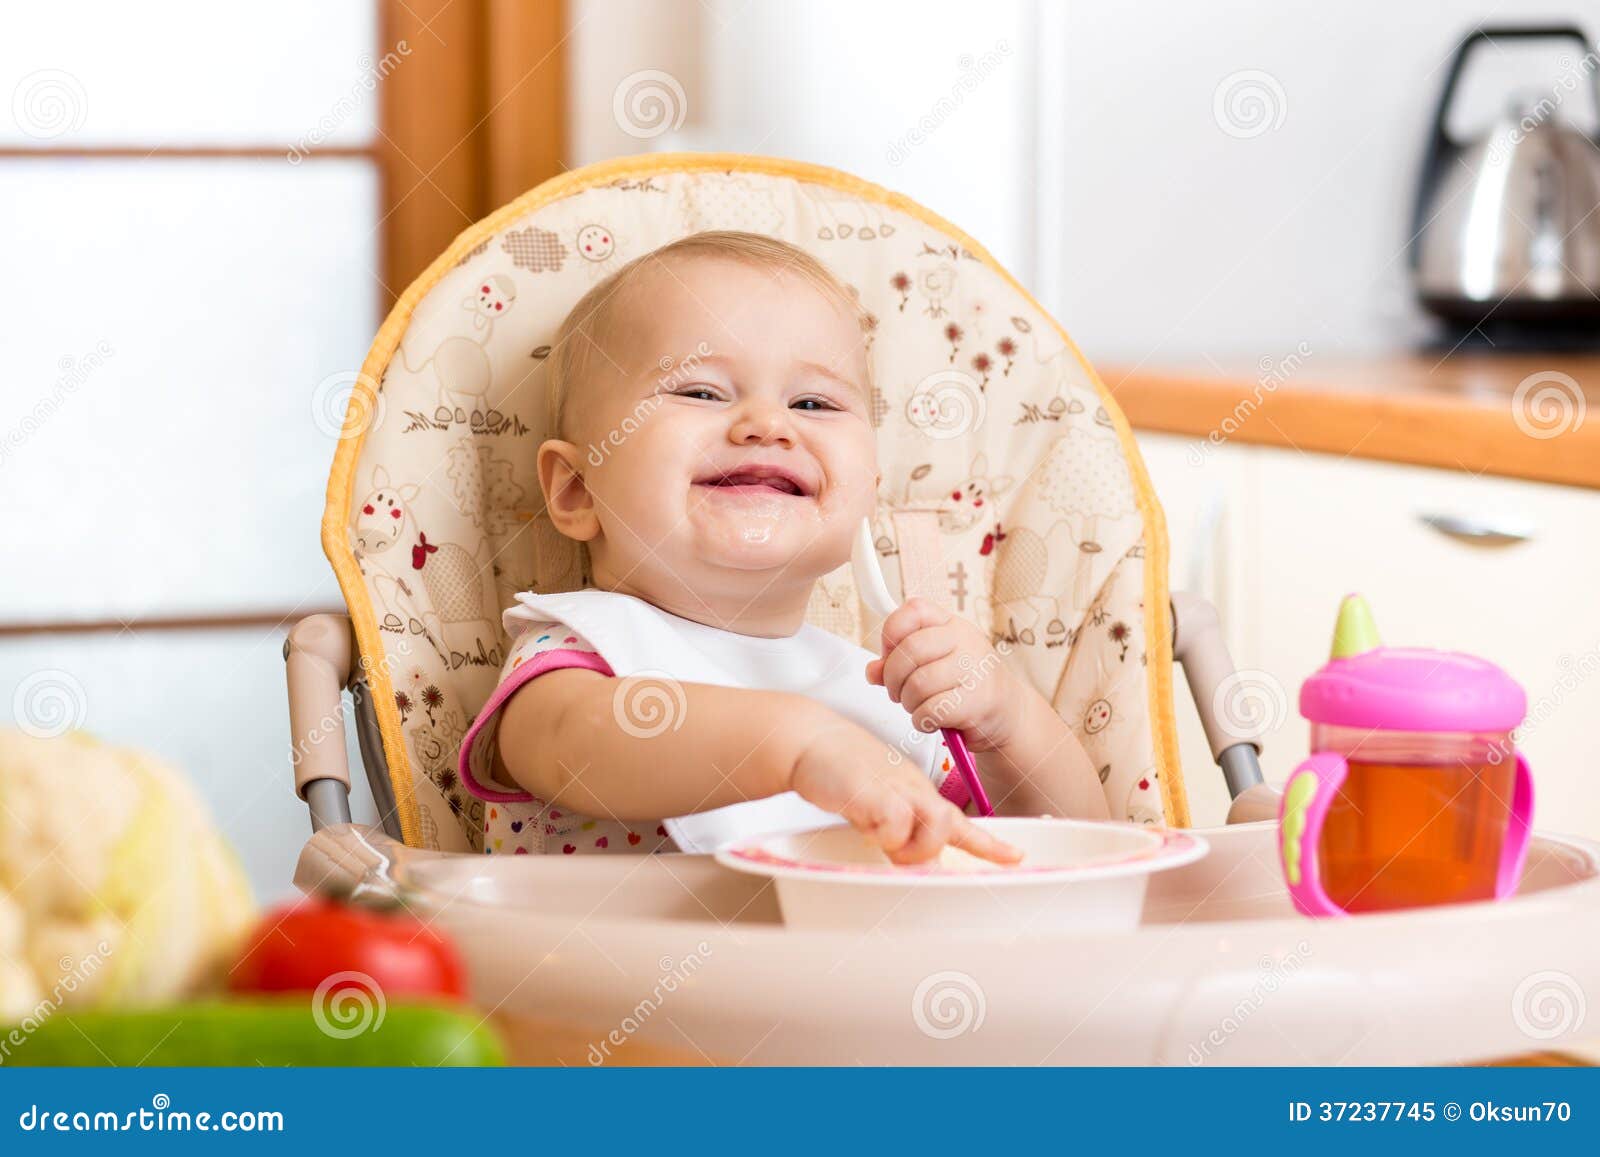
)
(1506, 414)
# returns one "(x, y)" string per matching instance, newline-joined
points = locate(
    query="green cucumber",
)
(273, 1031)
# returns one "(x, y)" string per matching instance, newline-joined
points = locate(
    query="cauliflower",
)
(19, 988)
(115, 887)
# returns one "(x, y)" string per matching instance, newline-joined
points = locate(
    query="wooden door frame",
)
(472, 116)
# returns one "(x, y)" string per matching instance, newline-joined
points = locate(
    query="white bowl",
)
(1075, 876)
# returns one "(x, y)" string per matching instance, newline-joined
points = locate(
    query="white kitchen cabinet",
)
(1297, 532)
(1328, 527)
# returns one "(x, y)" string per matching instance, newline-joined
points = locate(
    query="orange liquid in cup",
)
(1399, 835)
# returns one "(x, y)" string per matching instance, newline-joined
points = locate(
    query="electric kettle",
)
(1506, 226)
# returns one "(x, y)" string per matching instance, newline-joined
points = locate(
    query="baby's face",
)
(727, 443)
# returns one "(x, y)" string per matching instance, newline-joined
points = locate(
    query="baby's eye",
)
(700, 393)
(813, 404)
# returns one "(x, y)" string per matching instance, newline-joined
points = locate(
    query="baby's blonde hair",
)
(585, 329)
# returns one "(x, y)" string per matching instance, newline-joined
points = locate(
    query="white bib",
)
(636, 638)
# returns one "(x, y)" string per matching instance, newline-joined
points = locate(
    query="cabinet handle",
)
(1478, 531)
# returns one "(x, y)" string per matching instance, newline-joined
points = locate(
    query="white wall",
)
(1175, 240)
(837, 82)
(1091, 160)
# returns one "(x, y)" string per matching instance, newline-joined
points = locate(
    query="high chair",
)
(1014, 494)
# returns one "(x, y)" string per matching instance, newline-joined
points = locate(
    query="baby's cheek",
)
(852, 465)
(622, 493)
(854, 490)
(639, 453)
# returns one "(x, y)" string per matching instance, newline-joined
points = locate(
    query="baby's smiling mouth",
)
(757, 479)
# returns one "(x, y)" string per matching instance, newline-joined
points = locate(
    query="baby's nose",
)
(762, 425)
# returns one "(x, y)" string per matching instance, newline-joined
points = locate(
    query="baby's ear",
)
(566, 497)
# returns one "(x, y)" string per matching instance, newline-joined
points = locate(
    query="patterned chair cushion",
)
(1012, 488)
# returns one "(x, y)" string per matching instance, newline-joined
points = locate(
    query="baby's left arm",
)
(942, 669)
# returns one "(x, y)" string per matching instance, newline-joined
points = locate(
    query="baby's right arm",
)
(562, 737)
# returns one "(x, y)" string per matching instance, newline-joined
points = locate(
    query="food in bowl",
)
(953, 859)
(1075, 876)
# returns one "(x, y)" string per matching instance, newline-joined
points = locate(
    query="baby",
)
(715, 453)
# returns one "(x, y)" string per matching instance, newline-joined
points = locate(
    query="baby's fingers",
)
(913, 615)
(969, 837)
(930, 832)
(886, 819)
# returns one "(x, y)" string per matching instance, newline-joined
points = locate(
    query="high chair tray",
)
(593, 959)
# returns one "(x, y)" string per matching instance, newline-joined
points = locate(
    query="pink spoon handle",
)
(875, 593)
(962, 758)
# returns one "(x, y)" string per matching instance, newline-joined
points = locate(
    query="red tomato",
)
(300, 945)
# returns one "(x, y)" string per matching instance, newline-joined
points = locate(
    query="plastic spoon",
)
(875, 593)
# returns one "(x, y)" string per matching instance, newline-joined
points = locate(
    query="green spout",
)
(1355, 632)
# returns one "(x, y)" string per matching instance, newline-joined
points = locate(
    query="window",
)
(206, 211)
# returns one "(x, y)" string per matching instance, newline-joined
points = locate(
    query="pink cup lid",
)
(1366, 684)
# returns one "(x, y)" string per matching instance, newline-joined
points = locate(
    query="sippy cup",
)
(1414, 793)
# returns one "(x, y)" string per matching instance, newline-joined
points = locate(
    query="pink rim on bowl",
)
(1171, 848)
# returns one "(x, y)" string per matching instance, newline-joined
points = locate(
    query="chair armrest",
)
(317, 657)
(1197, 644)
(1255, 803)
(343, 859)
